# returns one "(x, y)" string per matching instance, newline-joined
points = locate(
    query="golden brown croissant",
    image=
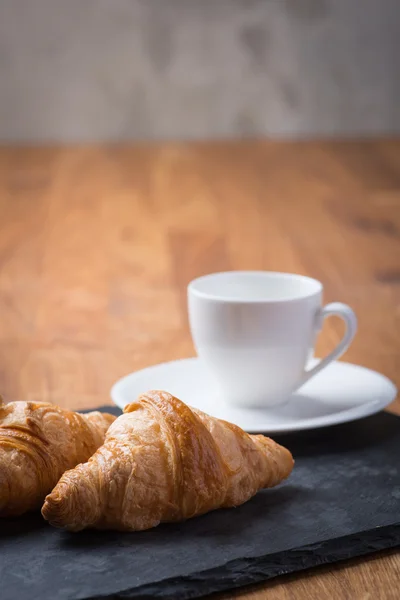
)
(162, 461)
(38, 442)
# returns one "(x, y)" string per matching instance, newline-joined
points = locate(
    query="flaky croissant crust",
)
(163, 461)
(38, 442)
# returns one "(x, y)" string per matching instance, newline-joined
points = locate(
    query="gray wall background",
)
(87, 70)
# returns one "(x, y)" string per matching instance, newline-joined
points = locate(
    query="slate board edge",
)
(246, 571)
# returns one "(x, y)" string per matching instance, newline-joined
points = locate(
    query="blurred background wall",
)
(88, 70)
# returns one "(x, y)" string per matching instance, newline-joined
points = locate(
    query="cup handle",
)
(347, 314)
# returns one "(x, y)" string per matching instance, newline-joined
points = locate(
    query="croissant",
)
(163, 461)
(38, 442)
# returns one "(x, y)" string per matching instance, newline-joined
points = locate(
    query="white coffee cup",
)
(256, 330)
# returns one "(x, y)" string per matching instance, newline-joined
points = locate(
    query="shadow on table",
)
(22, 526)
(223, 525)
(339, 439)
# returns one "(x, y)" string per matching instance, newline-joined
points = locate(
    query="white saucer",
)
(341, 392)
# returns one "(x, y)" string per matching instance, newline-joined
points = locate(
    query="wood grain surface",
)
(97, 245)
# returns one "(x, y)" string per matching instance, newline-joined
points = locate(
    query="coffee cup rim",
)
(316, 287)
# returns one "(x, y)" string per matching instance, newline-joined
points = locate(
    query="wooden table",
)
(97, 245)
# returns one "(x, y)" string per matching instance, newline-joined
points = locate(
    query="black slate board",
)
(342, 501)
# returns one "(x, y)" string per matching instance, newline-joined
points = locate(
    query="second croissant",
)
(163, 461)
(38, 442)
